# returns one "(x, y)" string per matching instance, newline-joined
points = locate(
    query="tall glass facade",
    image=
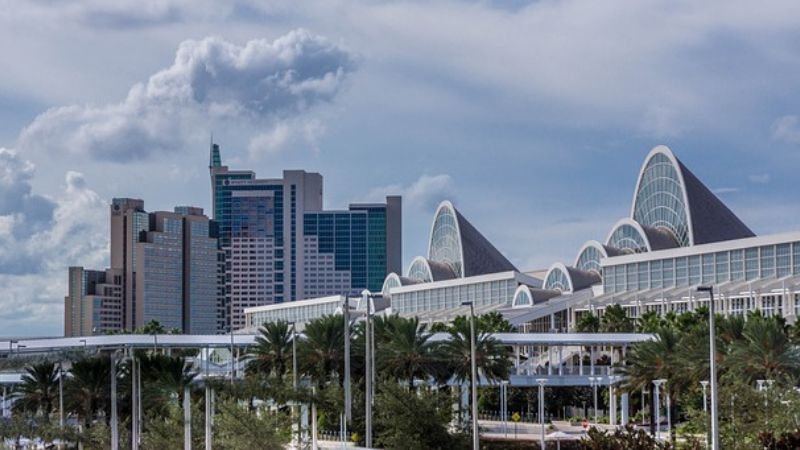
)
(660, 201)
(445, 245)
(160, 270)
(357, 241)
(429, 297)
(743, 264)
(201, 281)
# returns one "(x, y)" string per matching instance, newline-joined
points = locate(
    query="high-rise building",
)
(128, 221)
(159, 272)
(166, 266)
(347, 251)
(93, 304)
(203, 274)
(270, 256)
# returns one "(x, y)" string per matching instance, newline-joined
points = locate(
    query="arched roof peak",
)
(668, 196)
(456, 242)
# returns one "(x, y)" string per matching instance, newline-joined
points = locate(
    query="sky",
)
(532, 117)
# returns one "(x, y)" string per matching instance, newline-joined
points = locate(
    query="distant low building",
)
(93, 304)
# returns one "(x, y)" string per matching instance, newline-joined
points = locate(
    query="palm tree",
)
(765, 351)
(88, 388)
(408, 352)
(493, 360)
(650, 322)
(665, 357)
(588, 323)
(273, 350)
(164, 379)
(321, 351)
(39, 388)
(616, 320)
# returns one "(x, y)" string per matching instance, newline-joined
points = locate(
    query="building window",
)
(767, 261)
(751, 263)
(783, 264)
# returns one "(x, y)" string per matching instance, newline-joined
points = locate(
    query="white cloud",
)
(423, 195)
(786, 129)
(33, 262)
(286, 135)
(726, 190)
(261, 82)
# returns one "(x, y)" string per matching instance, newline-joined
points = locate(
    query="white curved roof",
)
(660, 198)
(454, 241)
(523, 297)
(445, 244)
(668, 196)
(420, 270)
(558, 278)
(617, 239)
(590, 253)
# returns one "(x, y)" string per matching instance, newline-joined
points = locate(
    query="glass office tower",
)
(270, 256)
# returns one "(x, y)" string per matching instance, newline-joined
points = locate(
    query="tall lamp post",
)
(704, 383)
(657, 384)
(504, 405)
(61, 394)
(475, 436)
(366, 295)
(541, 382)
(712, 344)
(294, 380)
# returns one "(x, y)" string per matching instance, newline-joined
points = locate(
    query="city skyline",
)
(534, 140)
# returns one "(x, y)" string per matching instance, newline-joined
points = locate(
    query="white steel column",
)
(114, 416)
(625, 407)
(187, 419)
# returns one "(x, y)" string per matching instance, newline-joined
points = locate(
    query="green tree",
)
(321, 351)
(414, 420)
(494, 322)
(88, 388)
(588, 323)
(164, 379)
(39, 389)
(272, 353)
(493, 359)
(152, 327)
(616, 320)
(622, 438)
(764, 351)
(408, 352)
(660, 358)
(237, 427)
(649, 322)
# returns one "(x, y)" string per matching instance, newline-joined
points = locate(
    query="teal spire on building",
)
(214, 160)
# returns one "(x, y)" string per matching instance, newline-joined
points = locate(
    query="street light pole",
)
(294, 381)
(475, 435)
(704, 383)
(348, 408)
(114, 413)
(366, 296)
(541, 382)
(61, 394)
(713, 367)
(657, 384)
(504, 405)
